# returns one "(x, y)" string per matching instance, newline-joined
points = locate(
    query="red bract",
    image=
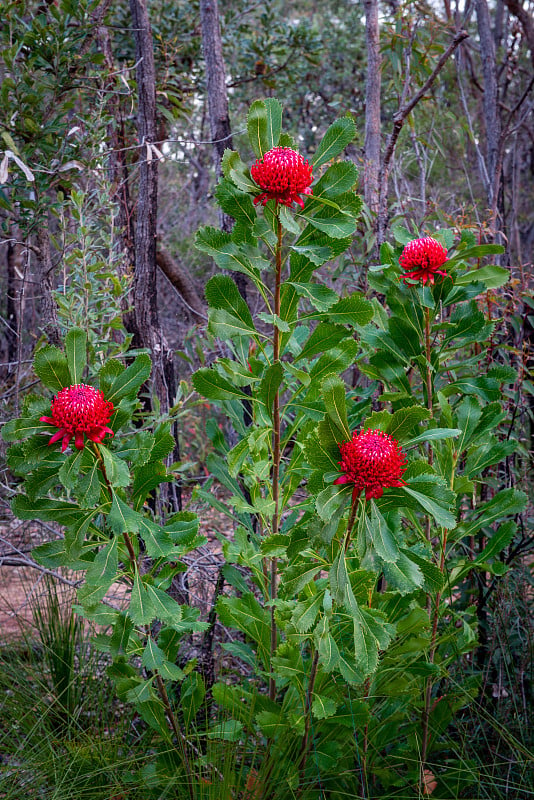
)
(283, 174)
(422, 259)
(78, 410)
(372, 460)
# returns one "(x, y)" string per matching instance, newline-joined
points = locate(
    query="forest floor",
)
(21, 586)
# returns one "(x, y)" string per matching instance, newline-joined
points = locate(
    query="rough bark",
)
(147, 329)
(491, 108)
(218, 103)
(182, 282)
(45, 282)
(371, 167)
(215, 80)
(527, 22)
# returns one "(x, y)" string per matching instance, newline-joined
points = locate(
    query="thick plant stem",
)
(307, 716)
(276, 447)
(125, 535)
(429, 397)
(425, 717)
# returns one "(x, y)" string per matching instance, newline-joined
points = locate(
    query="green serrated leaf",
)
(333, 393)
(270, 385)
(321, 297)
(76, 352)
(50, 365)
(337, 137)
(213, 386)
(141, 609)
(353, 310)
(128, 382)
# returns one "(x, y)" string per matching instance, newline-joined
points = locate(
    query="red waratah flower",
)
(283, 174)
(422, 259)
(372, 460)
(78, 410)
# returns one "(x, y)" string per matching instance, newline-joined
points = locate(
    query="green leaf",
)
(505, 503)
(247, 615)
(403, 420)
(141, 609)
(338, 178)
(333, 393)
(270, 385)
(222, 293)
(103, 570)
(441, 515)
(491, 276)
(323, 707)
(337, 137)
(325, 336)
(401, 234)
(331, 498)
(335, 361)
(317, 254)
(433, 434)
(117, 471)
(213, 386)
(45, 509)
(230, 730)
(500, 539)
(225, 326)
(50, 365)
(235, 202)
(354, 310)
(121, 635)
(337, 225)
(289, 223)
(76, 351)
(403, 574)
(321, 297)
(305, 613)
(492, 452)
(380, 535)
(264, 125)
(128, 383)
(326, 646)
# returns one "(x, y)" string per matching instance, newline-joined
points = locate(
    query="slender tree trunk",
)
(215, 81)
(491, 107)
(218, 104)
(147, 329)
(44, 279)
(371, 167)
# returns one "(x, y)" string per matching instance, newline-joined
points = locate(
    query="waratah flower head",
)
(77, 411)
(283, 175)
(421, 259)
(372, 461)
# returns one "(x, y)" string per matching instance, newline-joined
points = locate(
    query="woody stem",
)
(276, 447)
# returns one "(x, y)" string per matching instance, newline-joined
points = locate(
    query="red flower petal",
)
(421, 259)
(77, 411)
(283, 175)
(372, 461)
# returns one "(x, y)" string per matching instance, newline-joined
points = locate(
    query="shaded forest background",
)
(114, 119)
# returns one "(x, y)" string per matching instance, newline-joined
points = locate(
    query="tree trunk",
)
(215, 81)
(491, 107)
(44, 280)
(218, 104)
(371, 165)
(147, 330)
